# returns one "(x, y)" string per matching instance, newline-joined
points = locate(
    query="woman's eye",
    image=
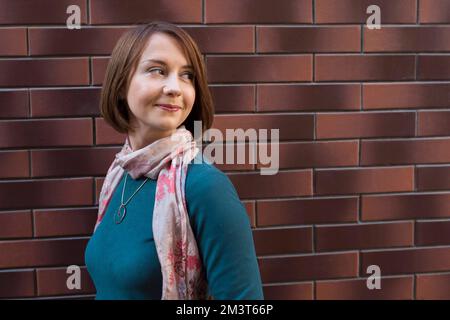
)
(155, 69)
(190, 75)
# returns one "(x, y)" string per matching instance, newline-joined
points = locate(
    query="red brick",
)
(250, 207)
(14, 41)
(283, 184)
(15, 164)
(234, 98)
(433, 286)
(65, 102)
(405, 151)
(317, 154)
(306, 211)
(433, 178)
(365, 124)
(38, 253)
(318, 39)
(283, 241)
(290, 127)
(44, 72)
(434, 11)
(41, 133)
(258, 11)
(16, 224)
(364, 236)
(433, 67)
(355, 11)
(355, 289)
(408, 261)
(433, 123)
(86, 41)
(405, 95)
(50, 223)
(98, 187)
(105, 134)
(39, 12)
(227, 39)
(143, 11)
(398, 207)
(46, 193)
(260, 68)
(433, 233)
(79, 162)
(308, 97)
(247, 166)
(99, 65)
(407, 39)
(54, 282)
(300, 291)
(14, 104)
(355, 67)
(364, 180)
(324, 266)
(17, 284)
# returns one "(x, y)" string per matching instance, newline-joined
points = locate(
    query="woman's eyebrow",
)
(188, 66)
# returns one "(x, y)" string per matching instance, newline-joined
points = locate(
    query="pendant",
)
(120, 214)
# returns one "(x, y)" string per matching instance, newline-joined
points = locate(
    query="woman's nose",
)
(172, 85)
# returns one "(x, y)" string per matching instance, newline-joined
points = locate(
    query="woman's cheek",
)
(191, 96)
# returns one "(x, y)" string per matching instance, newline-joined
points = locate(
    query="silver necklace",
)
(122, 211)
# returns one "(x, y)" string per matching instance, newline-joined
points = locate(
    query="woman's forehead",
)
(164, 48)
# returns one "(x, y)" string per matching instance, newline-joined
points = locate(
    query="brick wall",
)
(364, 125)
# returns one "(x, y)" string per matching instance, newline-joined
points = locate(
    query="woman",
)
(167, 228)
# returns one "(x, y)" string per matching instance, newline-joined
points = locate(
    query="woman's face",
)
(162, 76)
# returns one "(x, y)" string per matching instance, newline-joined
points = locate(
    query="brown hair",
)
(124, 58)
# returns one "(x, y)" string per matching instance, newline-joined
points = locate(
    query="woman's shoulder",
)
(211, 196)
(203, 175)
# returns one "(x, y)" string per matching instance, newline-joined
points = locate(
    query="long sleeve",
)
(224, 237)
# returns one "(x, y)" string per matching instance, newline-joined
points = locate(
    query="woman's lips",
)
(168, 107)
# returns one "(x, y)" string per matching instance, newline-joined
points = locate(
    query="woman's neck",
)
(140, 140)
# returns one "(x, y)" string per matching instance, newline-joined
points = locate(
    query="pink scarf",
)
(165, 160)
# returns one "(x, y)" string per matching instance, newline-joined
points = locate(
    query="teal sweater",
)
(122, 260)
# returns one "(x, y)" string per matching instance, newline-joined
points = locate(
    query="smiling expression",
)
(162, 76)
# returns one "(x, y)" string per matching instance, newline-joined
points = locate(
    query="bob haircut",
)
(124, 59)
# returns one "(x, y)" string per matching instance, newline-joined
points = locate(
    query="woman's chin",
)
(166, 126)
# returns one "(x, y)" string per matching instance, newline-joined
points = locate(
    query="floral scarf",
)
(165, 160)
